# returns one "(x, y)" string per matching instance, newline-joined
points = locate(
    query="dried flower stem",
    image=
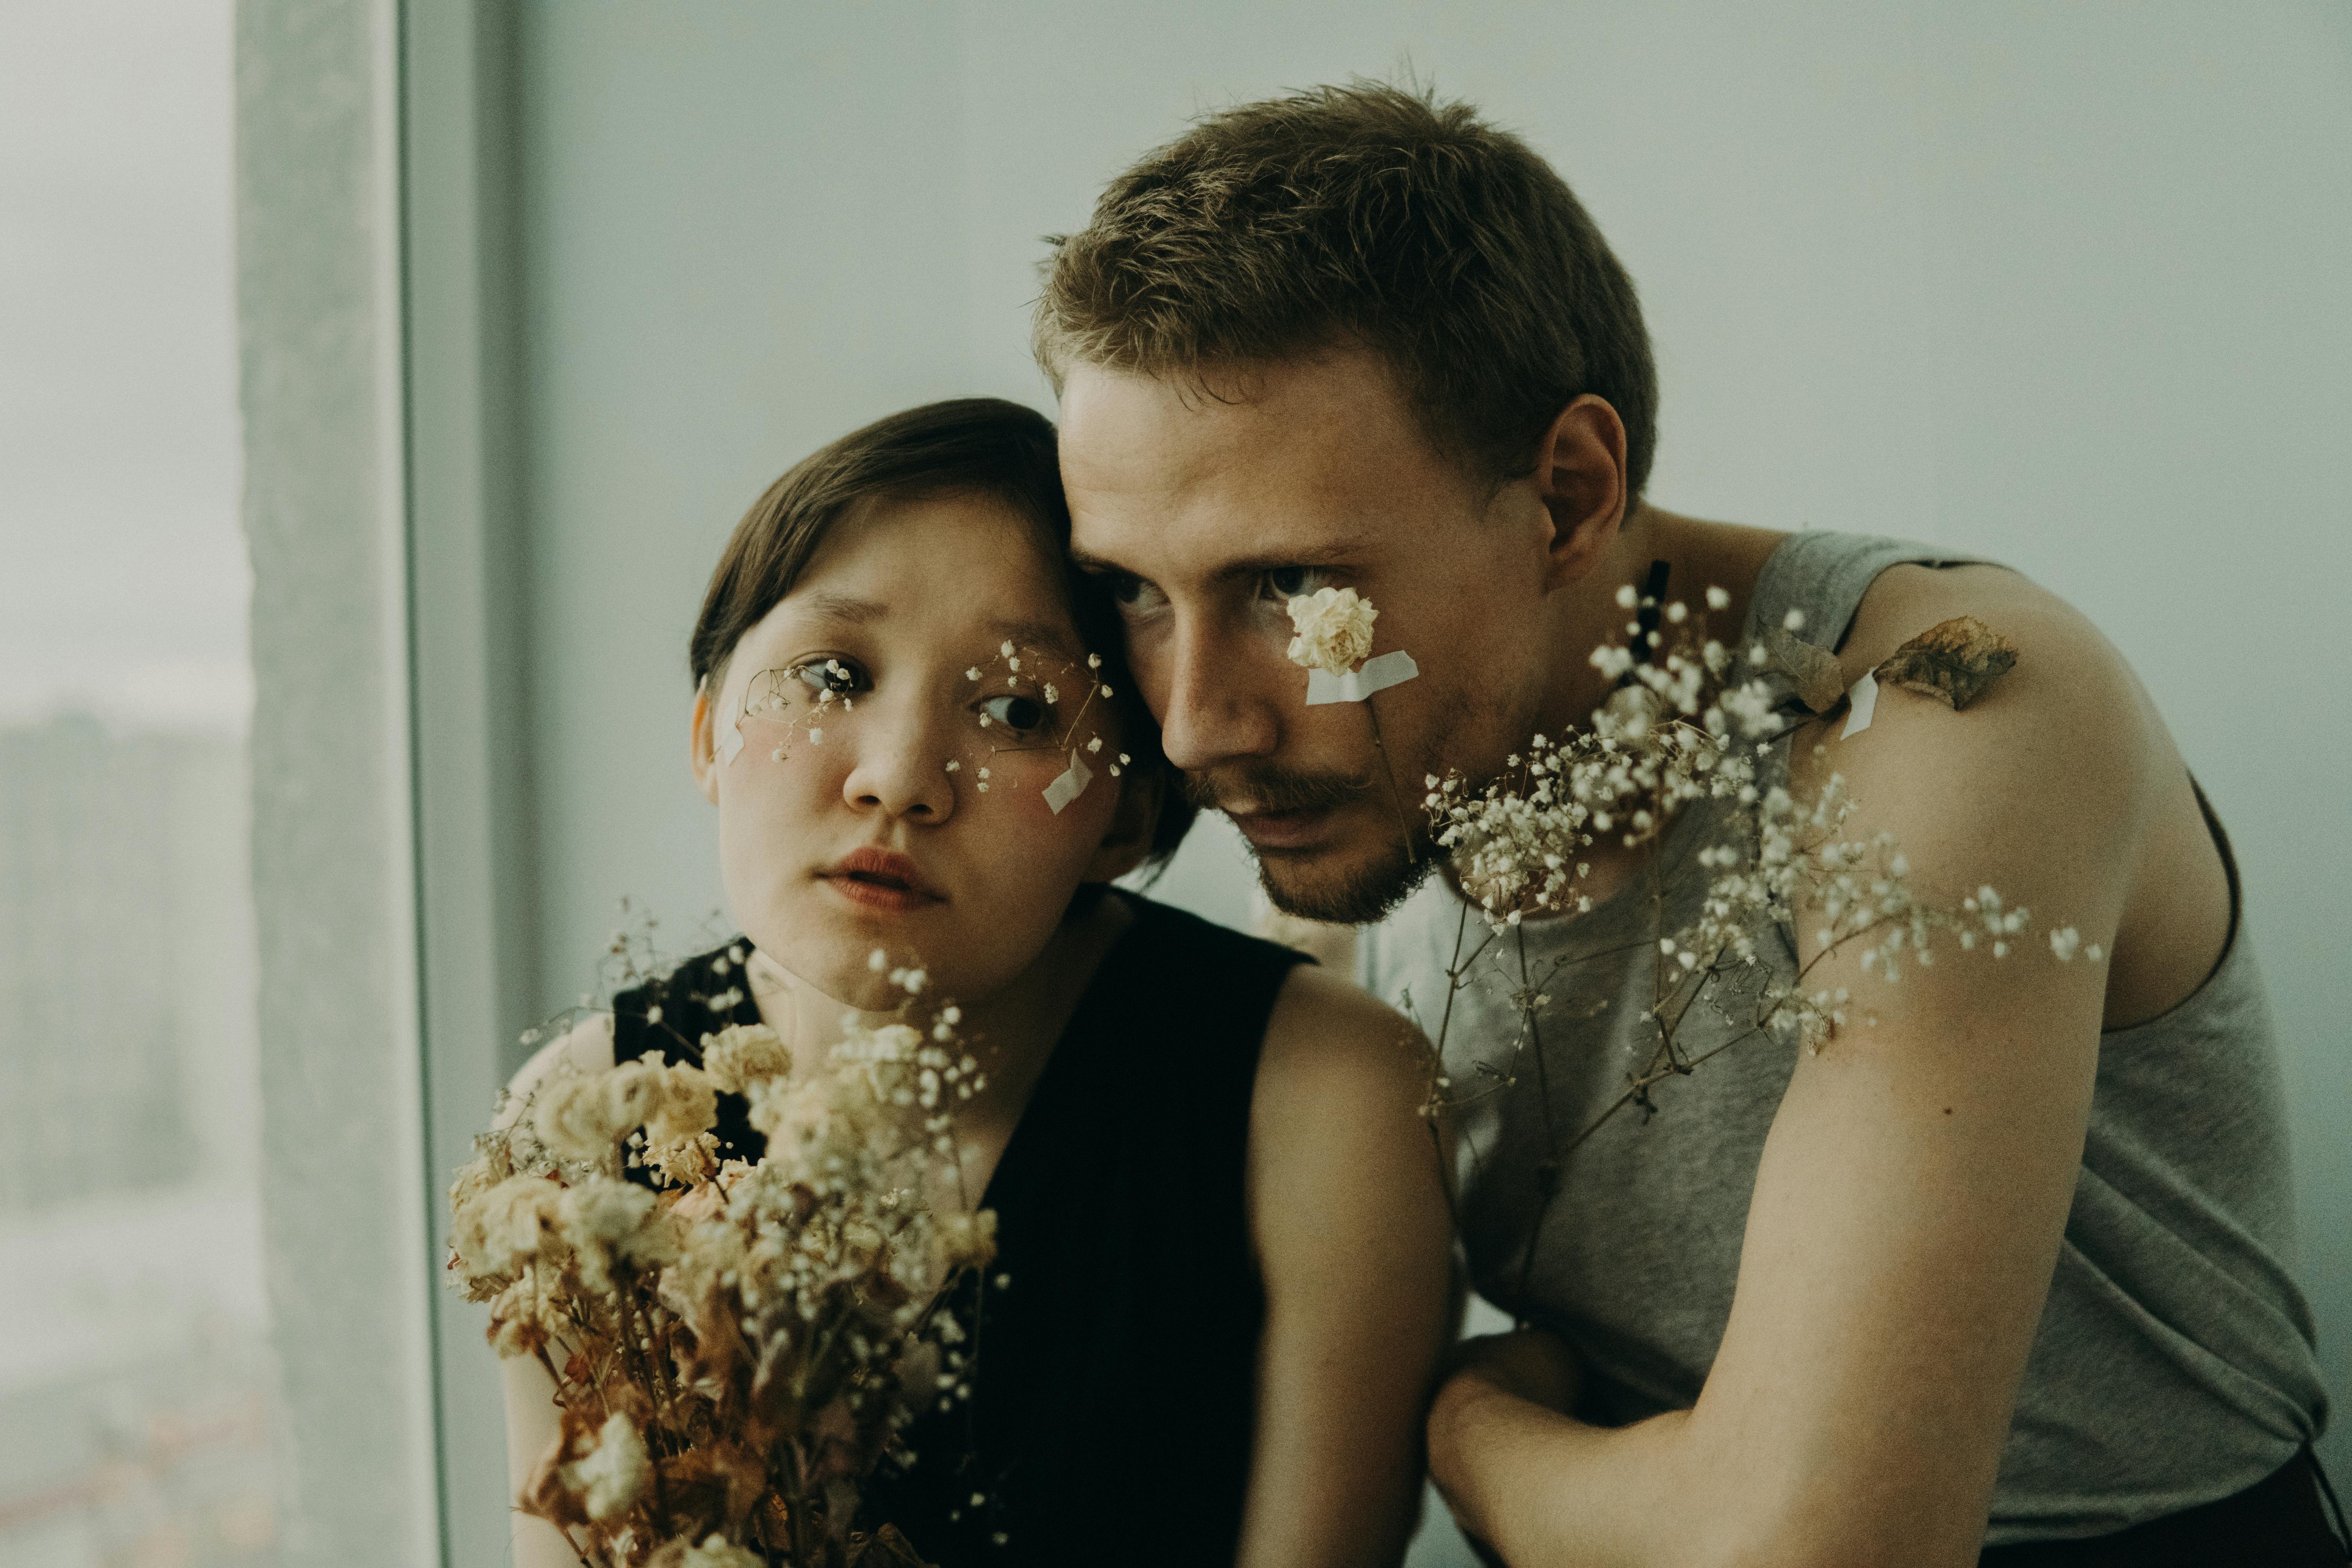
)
(1388, 776)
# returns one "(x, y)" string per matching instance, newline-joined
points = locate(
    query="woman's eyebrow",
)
(1046, 636)
(844, 608)
(848, 609)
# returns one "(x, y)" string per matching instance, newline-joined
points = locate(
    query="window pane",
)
(135, 1392)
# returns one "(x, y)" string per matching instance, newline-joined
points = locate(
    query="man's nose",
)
(1223, 698)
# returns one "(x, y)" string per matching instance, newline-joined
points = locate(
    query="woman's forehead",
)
(946, 568)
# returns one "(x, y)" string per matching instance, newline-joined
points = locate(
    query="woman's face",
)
(889, 747)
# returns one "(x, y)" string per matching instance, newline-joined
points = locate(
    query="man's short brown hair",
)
(1369, 212)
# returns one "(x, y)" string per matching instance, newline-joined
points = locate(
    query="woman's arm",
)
(532, 1415)
(1354, 1242)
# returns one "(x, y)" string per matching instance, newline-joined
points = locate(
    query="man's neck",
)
(1586, 614)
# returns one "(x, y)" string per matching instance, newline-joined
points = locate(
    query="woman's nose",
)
(900, 766)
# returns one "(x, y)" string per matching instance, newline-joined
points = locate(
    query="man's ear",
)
(701, 747)
(1579, 476)
(1128, 838)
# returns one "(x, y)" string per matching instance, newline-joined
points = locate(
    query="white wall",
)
(2062, 285)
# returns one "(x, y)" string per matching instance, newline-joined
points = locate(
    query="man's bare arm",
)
(1912, 1193)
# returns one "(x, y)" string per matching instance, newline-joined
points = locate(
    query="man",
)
(2001, 1267)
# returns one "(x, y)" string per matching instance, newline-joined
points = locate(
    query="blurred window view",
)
(135, 1395)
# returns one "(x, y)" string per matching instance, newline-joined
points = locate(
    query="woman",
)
(1221, 1285)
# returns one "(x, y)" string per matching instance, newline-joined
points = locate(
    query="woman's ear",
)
(701, 752)
(1128, 838)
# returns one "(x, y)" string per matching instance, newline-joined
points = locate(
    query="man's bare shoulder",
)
(2043, 777)
(2060, 784)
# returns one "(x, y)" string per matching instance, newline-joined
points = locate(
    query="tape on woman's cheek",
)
(730, 733)
(1068, 785)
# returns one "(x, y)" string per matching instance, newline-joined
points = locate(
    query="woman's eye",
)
(829, 674)
(1289, 582)
(1017, 713)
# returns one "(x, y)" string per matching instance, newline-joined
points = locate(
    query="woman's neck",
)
(1011, 1031)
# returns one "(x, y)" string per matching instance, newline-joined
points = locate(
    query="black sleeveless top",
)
(1115, 1381)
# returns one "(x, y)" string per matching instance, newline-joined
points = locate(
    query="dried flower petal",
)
(1813, 671)
(1953, 661)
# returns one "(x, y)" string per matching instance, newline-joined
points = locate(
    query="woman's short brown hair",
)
(1374, 214)
(970, 445)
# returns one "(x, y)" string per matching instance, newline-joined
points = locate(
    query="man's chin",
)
(1342, 887)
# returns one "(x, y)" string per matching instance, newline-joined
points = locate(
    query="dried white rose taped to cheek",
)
(1374, 675)
(1069, 784)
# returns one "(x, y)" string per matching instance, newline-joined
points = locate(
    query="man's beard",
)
(1359, 894)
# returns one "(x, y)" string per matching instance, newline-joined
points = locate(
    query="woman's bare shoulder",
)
(1334, 1052)
(586, 1047)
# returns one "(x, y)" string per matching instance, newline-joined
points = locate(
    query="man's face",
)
(1208, 512)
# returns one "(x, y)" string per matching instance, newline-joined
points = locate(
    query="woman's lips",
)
(881, 880)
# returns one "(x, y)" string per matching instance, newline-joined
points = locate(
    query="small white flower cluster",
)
(1668, 735)
(1060, 732)
(801, 698)
(736, 1332)
(1679, 729)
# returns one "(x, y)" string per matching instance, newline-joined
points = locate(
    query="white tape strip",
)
(1864, 696)
(730, 738)
(1071, 784)
(1375, 675)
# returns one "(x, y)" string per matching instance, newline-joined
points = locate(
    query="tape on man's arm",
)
(1373, 675)
(1863, 697)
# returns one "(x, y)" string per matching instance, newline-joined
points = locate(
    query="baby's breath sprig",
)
(1685, 721)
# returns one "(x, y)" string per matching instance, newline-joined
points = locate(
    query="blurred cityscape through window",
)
(136, 1396)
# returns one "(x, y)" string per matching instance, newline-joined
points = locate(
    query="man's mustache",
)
(1273, 789)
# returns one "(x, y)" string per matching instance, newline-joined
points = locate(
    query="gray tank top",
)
(2174, 1363)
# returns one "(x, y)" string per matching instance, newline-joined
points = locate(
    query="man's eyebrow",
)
(1324, 552)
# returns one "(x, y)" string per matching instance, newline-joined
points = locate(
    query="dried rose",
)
(1334, 627)
(615, 1472)
(739, 1053)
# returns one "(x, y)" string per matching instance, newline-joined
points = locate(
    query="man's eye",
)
(831, 675)
(1016, 713)
(1289, 582)
(1125, 587)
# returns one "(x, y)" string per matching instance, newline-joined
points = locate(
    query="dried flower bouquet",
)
(732, 1345)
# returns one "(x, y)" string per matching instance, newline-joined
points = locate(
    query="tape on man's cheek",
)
(1374, 675)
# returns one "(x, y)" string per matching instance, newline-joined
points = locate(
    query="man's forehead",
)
(1291, 459)
(1303, 408)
